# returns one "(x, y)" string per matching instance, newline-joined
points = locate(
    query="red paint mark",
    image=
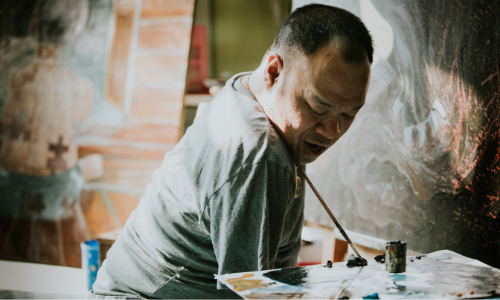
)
(493, 199)
(490, 78)
(497, 156)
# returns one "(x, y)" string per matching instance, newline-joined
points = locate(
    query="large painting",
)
(53, 57)
(421, 161)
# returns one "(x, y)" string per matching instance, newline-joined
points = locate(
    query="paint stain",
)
(356, 262)
(380, 258)
(292, 276)
(242, 283)
(275, 296)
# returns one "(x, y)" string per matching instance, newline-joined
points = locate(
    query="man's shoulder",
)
(231, 135)
(237, 123)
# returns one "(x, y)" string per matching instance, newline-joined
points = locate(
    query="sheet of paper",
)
(439, 275)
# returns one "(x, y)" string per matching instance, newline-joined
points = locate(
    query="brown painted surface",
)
(73, 234)
(169, 35)
(106, 240)
(43, 241)
(154, 120)
(116, 78)
(58, 242)
(16, 242)
(163, 70)
(129, 172)
(152, 9)
(127, 152)
(246, 282)
(45, 101)
(138, 132)
(124, 204)
(162, 104)
(151, 133)
(97, 216)
(340, 250)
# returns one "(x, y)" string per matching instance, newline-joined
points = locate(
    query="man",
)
(224, 200)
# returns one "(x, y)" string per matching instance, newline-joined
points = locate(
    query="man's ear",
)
(273, 70)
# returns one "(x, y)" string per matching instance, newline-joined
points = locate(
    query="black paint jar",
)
(395, 257)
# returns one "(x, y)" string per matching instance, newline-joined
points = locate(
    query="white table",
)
(29, 280)
(439, 275)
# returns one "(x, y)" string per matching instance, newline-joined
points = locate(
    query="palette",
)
(439, 275)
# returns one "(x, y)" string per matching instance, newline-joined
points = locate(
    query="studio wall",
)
(243, 31)
(421, 163)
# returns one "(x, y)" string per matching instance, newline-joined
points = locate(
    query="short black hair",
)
(310, 27)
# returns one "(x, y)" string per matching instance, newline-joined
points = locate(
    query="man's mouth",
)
(316, 149)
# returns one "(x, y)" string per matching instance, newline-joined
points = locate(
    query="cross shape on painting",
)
(57, 162)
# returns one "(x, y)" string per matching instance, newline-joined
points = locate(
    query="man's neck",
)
(245, 80)
(253, 83)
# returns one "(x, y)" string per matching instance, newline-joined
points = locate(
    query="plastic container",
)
(90, 260)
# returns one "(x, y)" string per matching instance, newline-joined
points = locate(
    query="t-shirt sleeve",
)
(246, 217)
(289, 250)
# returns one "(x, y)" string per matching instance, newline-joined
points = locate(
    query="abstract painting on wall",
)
(420, 163)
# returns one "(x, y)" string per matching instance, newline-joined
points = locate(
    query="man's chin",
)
(304, 160)
(308, 156)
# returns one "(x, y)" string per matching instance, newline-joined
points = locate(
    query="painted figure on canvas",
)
(46, 101)
(39, 179)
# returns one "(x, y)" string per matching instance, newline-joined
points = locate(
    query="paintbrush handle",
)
(344, 234)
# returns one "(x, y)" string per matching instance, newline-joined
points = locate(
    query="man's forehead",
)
(338, 80)
(338, 102)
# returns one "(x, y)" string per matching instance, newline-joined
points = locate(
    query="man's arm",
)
(289, 250)
(246, 217)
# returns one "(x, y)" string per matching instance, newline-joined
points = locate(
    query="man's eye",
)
(322, 114)
(347, 116)
(315, 112)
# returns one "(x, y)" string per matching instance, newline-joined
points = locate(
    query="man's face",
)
(315, 100)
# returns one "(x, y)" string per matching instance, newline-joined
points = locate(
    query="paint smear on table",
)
(243, 283)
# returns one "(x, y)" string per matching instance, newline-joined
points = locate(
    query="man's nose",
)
(329, 128)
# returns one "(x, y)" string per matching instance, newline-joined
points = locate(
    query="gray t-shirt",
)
(223, 201)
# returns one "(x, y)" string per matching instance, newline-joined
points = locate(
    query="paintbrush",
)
(362, 261)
